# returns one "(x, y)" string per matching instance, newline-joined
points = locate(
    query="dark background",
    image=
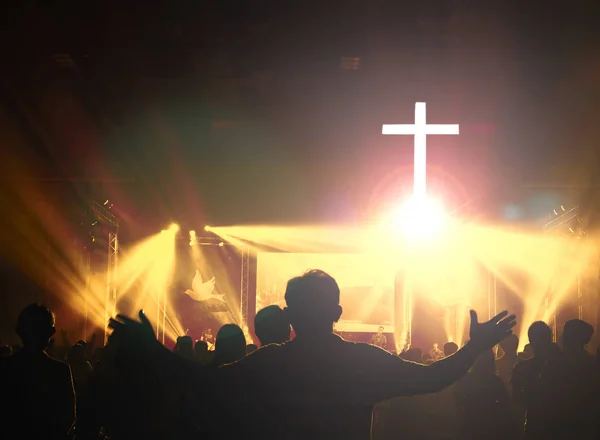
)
(223, 112)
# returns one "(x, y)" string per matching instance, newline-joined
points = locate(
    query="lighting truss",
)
(244, 285)
(562, 219)
(86, 269)
(203, 241)
(562, 222)
(102, 213)
(111, 281)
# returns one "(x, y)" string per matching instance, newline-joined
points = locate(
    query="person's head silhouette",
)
(271, 326)
(576, 335)
(230, 345)
(540, 337)
(76, 354)
(185, 346)
(380, 329)
(35, 327)
(527, 352)
(200, 348)
(450, 348)
(313, 303)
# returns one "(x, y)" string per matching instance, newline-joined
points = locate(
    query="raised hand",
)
(486, 335)
(129, 331)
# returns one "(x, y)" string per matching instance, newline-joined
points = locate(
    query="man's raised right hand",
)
(486, 335)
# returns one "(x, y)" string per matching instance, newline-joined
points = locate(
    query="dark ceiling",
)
(229, 112)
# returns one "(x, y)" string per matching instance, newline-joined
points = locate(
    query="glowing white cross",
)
(420, 129)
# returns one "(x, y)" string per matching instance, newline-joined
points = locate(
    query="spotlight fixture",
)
(174, 228)
(221, 244)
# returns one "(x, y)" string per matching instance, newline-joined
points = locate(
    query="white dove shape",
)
(203, 291)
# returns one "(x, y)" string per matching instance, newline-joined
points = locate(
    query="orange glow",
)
(447, 266)
(419, 219)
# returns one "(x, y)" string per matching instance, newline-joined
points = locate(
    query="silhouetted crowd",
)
(314, 386)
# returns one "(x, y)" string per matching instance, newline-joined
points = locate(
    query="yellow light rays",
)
(234, 312)
(215, 258)
(548, 264)
(40, 243)
(145, 275)
(293, 239)
(453, 267)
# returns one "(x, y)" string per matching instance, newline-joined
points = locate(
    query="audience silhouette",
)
(184, 347)
(506, 363)
(230, 345)
(483, 401)
(526, 375)
(201, 353)
(413, 354)
(315, 385)
(319, 385)
(569, 387)
(450, 348)
(38, 397)
(271, 326)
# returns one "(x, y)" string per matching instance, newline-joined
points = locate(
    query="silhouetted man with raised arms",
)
(320, 386)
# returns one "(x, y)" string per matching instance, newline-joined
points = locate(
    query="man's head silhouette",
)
(271, 325)
(313, 303)
(380, 329)
(576, 335)
(35, 326)
(450, 348)
(230, 345)
(200, 348)
(540, 336)
(185, 346)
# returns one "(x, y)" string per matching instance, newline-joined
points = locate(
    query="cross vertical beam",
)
(420, 129)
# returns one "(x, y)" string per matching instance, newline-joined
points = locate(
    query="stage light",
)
(174, 228)
(192, 238)
(207, 228)
(221, 244)
(419, 218)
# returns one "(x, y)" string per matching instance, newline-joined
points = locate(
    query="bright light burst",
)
(419, 218)
(528, 264)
